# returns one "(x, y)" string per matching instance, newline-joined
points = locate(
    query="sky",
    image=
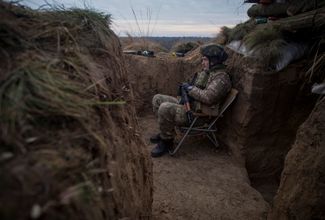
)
(202, 18)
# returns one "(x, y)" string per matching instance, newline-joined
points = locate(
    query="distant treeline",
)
(168, 42)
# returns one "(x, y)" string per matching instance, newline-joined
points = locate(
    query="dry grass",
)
(142, 45)
(138, 40)
(59, 76)
(266, 43)
(51, 81)
(239, 31)
(184, 47)
(316, 72)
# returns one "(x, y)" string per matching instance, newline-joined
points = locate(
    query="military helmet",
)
(214, 50)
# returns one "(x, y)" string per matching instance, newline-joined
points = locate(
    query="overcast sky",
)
(164, 17)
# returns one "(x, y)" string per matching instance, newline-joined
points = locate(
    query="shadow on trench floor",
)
(201, 183)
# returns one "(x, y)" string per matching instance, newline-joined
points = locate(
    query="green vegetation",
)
(49, 71)
(266, 41)
(239, 31)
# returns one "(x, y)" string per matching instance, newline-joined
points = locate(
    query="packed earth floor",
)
(200, 182)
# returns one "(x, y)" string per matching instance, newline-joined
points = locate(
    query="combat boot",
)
(155, 138)
(162, 147)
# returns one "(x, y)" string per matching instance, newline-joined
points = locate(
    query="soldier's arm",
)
(191, 79)
(215, 92)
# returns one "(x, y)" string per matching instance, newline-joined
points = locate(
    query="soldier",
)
(209, 88)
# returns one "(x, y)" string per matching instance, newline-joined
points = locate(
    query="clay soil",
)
(201, 182)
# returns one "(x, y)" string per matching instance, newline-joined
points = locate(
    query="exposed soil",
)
(66, 151)
(301, 193)
(201, 182)
(149, 76)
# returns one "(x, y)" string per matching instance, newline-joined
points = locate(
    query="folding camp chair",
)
(208, 129)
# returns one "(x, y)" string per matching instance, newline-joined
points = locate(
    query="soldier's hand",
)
(187, 87)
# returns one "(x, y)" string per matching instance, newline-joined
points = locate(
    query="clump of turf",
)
(65, 117)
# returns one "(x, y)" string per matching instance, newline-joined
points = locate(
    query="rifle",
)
(186, 102)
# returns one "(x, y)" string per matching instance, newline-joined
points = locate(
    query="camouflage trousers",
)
(169, 114)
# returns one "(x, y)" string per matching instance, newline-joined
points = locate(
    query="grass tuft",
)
(240, 30)
(50, 76)
(266, 43)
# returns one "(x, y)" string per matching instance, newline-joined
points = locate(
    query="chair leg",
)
(212, 137)
(183, 138)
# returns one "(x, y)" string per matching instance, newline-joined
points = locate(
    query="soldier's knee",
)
(164, 109)
(155, 97)
(156, 100)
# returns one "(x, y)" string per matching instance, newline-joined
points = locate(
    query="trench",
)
(64, 157)
(240, 180)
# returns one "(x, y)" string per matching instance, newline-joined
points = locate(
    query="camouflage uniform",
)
(169, 114)
(210, 88)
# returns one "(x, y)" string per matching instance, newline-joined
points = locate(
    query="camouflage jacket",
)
(210, 88)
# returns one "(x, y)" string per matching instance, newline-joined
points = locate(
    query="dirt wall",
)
(151, 75)
(70, 141)
(301, 194)
(261, 125)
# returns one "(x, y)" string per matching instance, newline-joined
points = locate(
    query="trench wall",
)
(261, 125)
(301, 192)
(67, 149)
(149, 76)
